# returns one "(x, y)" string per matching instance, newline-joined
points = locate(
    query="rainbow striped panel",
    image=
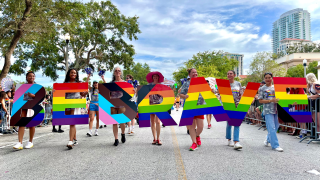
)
(60, 103)
(236, 114)
(161, 110)
(212, 106)
(105, 103)
(19, 104)
(280, 85)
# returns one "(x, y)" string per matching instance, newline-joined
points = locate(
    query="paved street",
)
(97, 158)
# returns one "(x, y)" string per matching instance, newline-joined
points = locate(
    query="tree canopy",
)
(262, 62)
(298, 71)
(98, 33)
(139, 72)
(207, 64)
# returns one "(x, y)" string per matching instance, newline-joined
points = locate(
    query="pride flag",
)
(280, 85)
(106, 103)
(161, 110)
(34, 104)
(236, 114)
(60, 104)
(212, 106)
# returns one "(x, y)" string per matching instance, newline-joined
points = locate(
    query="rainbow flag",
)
(212, 106)
(105, 103)
(161, 110)
(34, 104)
(60, 104)
(280, 85)
(236, 114)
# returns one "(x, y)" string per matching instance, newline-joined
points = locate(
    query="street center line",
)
(177, 155)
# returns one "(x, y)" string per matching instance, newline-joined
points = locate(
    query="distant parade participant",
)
(94, 105)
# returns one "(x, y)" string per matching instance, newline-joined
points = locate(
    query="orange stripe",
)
(62, 93)
(164, 94)
(282, 88)
(199, 88)
(225, 90)
(249, 93)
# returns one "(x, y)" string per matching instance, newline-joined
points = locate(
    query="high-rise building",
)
(293, 24)
(239, 58)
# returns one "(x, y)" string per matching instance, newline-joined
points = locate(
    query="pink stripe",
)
(106, 118)
(20, 91)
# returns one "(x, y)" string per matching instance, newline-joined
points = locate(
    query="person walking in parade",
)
(198, 120)
(267, 98)
(154, 78)
(236, 89)
(94, 106)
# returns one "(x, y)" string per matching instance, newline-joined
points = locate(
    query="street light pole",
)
(305, 67)
(67, 38)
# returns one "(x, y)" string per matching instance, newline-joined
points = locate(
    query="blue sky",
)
(174, 30)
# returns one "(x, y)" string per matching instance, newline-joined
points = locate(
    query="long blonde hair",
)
(311, 78)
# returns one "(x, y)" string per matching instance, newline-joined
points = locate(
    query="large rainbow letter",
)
(19, 104)
(105, 103)
(161, 110)
(280, 85)
(60, 104)
(236, 115)
(212, 106)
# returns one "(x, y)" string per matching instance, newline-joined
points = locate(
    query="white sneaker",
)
(266, 143)
(75, 142)
(18, 146)
(1, 134)
(132, 127)
(96, 132)
(70, 144)
(89, 134)
(231, 143)
(237, 146)
(29, 145)
(129, 130)
(279, 149)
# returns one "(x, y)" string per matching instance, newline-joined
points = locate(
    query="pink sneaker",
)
(193, 147)
(209, 126)
(198, 141)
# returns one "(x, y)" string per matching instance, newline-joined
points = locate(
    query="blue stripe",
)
(236, 114)
(61, 114)
(20, 102)
(198, 112)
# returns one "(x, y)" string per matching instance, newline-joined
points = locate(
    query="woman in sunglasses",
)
(267, 98)
(94, 106)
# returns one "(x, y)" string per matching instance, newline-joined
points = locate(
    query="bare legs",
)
(155, 126)
(92, 114)
(193, 134)
(73, 130)
(115, 127)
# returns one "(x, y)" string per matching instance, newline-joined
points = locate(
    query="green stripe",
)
(193, 104)
(155, 108)
(285, 103)
(62, 107)
(243, 107)
(229, 106)
(42, 111)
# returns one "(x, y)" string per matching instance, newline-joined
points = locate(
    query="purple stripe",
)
(235, 122)
(70, 121)
(144, 123)
(302, 118)
(221, 117)
(186, 121)
(33, 123)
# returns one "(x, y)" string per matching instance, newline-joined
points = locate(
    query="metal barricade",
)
(310, 130)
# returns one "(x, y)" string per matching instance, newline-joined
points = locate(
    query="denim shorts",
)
(93, 107)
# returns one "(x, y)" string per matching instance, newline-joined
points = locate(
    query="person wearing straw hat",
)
(154, 78)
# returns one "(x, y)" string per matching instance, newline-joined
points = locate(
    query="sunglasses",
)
(117, 71)
(95, 82)
(268, 73)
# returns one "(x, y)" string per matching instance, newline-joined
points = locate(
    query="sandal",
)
(154, 142)
(159, 142)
